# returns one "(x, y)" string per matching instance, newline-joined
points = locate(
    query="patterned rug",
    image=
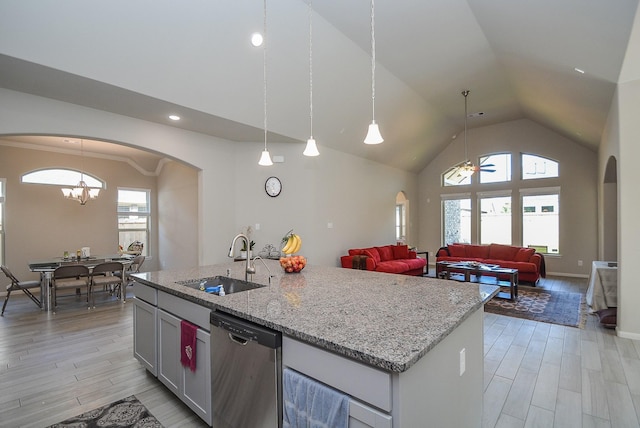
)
(556, 307)
(128, 412)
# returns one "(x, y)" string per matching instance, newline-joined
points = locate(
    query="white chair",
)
(23, 286)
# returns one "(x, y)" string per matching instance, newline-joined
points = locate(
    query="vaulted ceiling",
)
(519, 59)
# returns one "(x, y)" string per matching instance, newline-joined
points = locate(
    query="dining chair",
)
(23, 286)
(134, 267)
(69, 276)
(106, 275)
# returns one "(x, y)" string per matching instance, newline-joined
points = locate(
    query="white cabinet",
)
(145, 348)
(156, 344)
(193, 388)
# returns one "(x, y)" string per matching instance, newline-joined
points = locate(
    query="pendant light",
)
(373, 135)
(81, 193)
(311, 149)
(265, 158)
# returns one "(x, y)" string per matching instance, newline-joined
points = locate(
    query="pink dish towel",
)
(188, 341)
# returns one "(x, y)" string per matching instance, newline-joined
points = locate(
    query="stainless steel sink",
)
(230, 285)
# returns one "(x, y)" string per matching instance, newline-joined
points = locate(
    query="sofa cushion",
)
(457, 250)
(373, 253)
(417, 263)
(400, 252)
(392, 266)
(478, 251)
(524, 254)
(502, 252)
(386, 253)
(356, 252)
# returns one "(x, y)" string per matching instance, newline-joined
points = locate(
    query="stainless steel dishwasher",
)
(246, 373)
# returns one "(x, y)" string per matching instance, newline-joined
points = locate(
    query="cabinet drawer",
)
(358, 380)
(192, 312)
(146, 293)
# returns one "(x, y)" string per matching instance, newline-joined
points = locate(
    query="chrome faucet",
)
(265, 265)
(248, 268)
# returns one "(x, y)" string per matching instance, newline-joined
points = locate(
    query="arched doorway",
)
(610, 212)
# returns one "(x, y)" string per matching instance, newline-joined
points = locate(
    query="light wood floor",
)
(55, 366)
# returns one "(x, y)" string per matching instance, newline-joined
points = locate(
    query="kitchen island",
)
(408, 348)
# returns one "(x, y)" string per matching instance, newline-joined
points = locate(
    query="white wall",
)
(178, 214)
(578, 183)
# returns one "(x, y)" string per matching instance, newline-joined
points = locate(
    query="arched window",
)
(62, 177)
(534, 167)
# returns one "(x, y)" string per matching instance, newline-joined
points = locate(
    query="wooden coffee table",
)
(481, 269)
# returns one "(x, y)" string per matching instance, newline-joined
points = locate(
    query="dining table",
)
(46, 267)
(602, 292)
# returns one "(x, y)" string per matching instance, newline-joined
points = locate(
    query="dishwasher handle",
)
(238, 340)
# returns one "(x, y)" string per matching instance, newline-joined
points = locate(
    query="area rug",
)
(128, 412)
(538, 304)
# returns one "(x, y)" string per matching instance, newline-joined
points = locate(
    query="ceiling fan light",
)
(311, 149)
(265, 159)
(373, 135)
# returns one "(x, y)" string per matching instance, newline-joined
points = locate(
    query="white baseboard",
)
(627, 335)
(571, 275)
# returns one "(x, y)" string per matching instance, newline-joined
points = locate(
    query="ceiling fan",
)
(467, 168)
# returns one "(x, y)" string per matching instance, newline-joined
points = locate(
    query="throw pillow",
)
(524, 254)
(373, 253)
(457, 250)
(401, 252)
(356, 252)
(386, 253)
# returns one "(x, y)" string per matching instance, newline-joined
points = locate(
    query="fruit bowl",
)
(293, 264)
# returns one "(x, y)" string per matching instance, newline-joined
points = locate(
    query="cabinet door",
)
(144, 335)
(169, 367)
(362, 416)
(197, 385)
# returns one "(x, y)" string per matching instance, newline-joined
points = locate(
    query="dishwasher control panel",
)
(246, 330)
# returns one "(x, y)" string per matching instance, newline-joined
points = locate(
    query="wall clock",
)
(273, 186)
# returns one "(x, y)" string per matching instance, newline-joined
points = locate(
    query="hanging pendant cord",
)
(466, 157)
(264, 77)
(373, 64)
(310, 71)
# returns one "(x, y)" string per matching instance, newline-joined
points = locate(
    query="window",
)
(2, 185)
(61, 177)
(495, 168)
(495, 219)
(541, 219)
(534, 167)
(401, 222)
(134, 214)
(456, 214)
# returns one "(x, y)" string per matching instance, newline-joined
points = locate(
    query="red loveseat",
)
(388, 258)
(530, 264)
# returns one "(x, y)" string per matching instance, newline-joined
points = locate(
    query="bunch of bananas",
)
(292, 244)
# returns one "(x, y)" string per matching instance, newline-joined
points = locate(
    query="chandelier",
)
(81, 193)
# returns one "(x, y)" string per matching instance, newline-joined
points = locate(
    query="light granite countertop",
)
(385, 320)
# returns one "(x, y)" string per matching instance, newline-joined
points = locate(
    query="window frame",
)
(73, 177)
(3, 186)
(147, 215)
(541, 191)
(507, 193)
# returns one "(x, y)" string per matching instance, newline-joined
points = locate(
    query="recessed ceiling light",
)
(174, 117)
(256, 39)
(579, 70)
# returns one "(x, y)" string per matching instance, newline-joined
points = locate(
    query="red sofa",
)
(530, 264)
(388, 258)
